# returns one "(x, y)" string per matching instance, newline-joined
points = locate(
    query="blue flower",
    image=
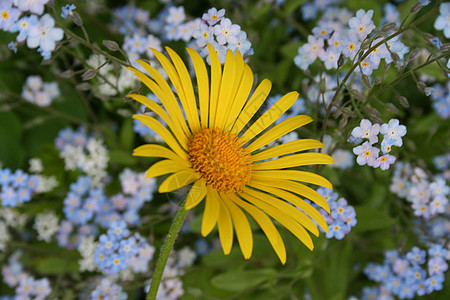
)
(394, 131)
(8, 15)
(443, 20)
(437, 251)
(67, 10)
(434, 283)
(118, 230)
(44, 35)
(23, 26)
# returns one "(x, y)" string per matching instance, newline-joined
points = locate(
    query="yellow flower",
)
(213, 146)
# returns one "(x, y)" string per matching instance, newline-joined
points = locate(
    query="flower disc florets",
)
(220, 160)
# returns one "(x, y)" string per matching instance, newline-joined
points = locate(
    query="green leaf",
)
(371, 219)
(121, 157)
(11, 152)
(292, 5)
(56, 265)
(127, 133)
(240, 280)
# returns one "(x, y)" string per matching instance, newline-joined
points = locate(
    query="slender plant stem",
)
(410, 72)
(165, 251)
(95, 48)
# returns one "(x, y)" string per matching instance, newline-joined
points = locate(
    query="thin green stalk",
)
(165, 251)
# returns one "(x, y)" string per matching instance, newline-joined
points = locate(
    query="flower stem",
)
(165, 251)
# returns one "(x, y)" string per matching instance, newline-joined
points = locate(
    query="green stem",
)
(165, 251)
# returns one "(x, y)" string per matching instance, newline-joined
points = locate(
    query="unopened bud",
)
(414, 54)
(403, 101)
(89, 74)
(445, 47)
(343, 122)
(357, 95)
(322, 86)
(83, 86)
(391, 107)
(365, 80)
(421, 86)
(415, 8)
(373, 112)
(341, 60)
(365, 44)
(77, 20)
(395, 56)
(66, 74)
(388, 27)
(427, 37)
(111, 45)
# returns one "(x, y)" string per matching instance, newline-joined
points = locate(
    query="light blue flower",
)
(67, 10)
(8, 15)
(44, 35)
(23, 26)
(443, 20)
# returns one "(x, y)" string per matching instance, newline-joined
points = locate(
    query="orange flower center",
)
(219, 159)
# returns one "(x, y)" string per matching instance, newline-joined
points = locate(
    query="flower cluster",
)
(38, 92)
(369, 154)
(46, 225)
(37, 32)
(218, 31)
(427, 194)
(16, 188)
(107, 289)
(441, 99)
(342, 216)
(83, 153)
(45, 183)
(116, 250)
(9, 219)
(27, 287)
(332, 39)
(406, 276)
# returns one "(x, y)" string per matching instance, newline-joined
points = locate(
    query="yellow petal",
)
(211, 212)
(162, 132)
(266, 225)
(164, 167)
(295, 160)
(243, 230)
(216, 76)
(178, 180)
(270, 116)
(240, 98)
(292, 175)
(226, 88)
(188, 90)
(287, 148)
(225, 228)
(297, 188)
(175, 127)
(162, 90)
(283, 218)
(295, 200)
(286, 208)
(252, 105)
(176, 81)
(196, 194)
(278, 131)
(154, 150)
(203, 86)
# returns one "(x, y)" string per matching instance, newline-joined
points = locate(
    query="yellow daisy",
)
(213, 146)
